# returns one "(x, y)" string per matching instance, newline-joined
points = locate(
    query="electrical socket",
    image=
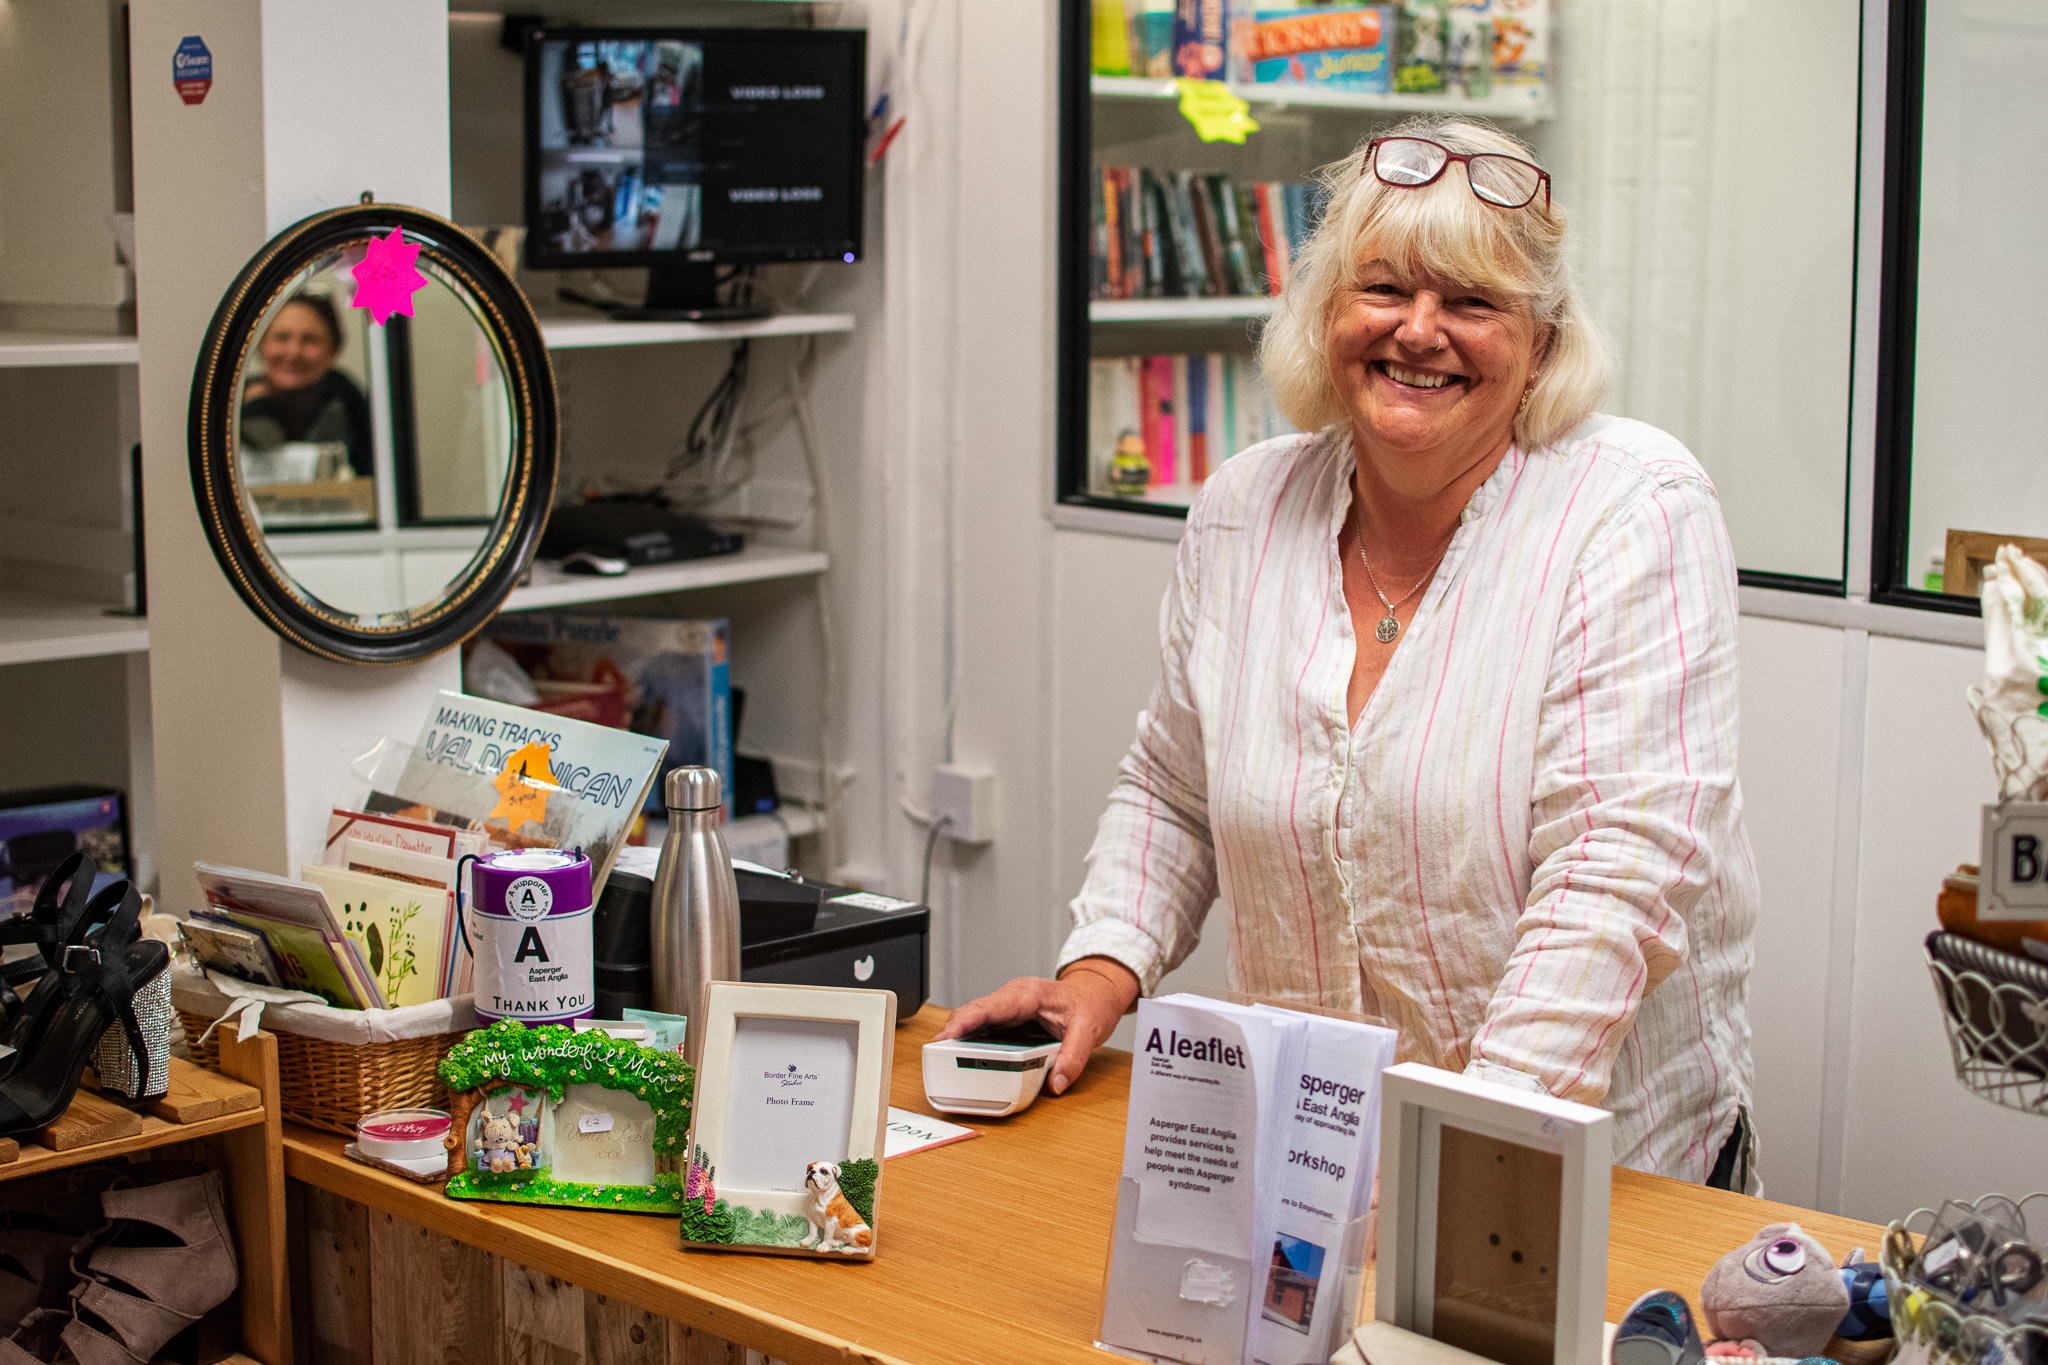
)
(968, 796)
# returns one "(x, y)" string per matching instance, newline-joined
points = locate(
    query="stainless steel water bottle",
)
(695, 918)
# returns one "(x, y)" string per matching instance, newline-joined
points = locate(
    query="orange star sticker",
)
(519, 801)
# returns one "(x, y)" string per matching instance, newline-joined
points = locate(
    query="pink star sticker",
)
(387, 279)
(517, 1104)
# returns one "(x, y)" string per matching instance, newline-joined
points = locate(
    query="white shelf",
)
(41, 349)
(1179, 310)
(757, 563)
(1516, 102)
(34, 628)
(572, 333)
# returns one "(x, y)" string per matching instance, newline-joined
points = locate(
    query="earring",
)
(1523, 406)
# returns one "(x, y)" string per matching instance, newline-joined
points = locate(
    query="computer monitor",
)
(685, 149)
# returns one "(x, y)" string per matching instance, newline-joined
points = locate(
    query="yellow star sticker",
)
(518, 801)
(1218, 115)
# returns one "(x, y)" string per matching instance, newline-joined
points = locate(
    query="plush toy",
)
(1778, 1294)
(1870, 1310)
(498, 1143)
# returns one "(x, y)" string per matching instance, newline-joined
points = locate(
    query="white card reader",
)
(993, 1072)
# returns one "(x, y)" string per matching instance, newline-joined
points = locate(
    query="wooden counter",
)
(991, 1250)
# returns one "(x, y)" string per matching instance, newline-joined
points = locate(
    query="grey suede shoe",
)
(165, 1257)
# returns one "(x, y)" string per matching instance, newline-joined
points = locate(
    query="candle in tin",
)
(531, 929)
(411, 1138)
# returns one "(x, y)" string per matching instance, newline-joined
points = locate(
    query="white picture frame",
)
(1517, 1127)
(751, 1118)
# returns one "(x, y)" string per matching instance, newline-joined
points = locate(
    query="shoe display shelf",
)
(232, 1114)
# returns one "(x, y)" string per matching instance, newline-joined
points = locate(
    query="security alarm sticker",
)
(530, 924)
(192, 70)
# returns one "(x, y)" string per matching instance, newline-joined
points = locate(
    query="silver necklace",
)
(1389, 628)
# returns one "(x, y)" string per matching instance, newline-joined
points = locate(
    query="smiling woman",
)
(1446, 719)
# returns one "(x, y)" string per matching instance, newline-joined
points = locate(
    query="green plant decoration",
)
(766, 1228)
(717, 1226)
(857, 1183)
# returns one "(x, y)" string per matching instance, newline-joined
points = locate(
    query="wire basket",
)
(1994, 1005)
(1934, 1329)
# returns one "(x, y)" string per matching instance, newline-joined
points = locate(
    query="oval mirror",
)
(373, 434)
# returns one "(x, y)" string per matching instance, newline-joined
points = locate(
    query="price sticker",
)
(594, 1123)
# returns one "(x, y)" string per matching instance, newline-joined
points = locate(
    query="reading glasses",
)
(1409, 163)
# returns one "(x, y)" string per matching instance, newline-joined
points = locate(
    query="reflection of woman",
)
(1446, 722)
(301, 396)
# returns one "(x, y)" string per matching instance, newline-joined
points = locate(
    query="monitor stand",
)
(687, 293)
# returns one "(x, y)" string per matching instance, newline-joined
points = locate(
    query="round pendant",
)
(1387, 629)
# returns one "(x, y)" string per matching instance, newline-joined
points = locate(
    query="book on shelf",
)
(1192, 413)
(1217, 278)
(1201, 33)
(1466, 48)
(1132, 37)
(1329, 47)
(1184, 234)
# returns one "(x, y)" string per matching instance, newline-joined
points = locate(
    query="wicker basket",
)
(332, 1085)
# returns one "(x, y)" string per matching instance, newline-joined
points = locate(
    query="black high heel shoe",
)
(113, 1010)
(49, 925)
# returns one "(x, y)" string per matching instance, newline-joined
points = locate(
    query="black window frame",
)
(1070, 303)
(1891, 569)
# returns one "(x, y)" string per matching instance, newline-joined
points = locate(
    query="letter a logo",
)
(530, 946)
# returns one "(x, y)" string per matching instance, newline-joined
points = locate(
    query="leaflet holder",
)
(1204, 1293)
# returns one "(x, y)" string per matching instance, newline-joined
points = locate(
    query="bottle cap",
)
(692, 789)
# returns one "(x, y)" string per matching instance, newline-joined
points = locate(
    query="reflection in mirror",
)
(373, 460)
(305, 442)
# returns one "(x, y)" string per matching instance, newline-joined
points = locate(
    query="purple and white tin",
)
(531, 926)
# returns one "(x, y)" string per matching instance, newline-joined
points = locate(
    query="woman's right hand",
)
(1081, 1009)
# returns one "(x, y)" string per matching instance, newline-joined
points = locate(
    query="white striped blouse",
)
(1528, 855)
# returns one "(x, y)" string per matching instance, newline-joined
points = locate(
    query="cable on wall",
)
(800, 373)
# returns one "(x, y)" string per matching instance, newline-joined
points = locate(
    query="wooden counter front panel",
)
(991, 1250)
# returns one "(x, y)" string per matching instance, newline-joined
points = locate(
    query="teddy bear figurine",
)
(498, 1143)
(1778, 1294)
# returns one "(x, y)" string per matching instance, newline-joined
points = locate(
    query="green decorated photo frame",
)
(786, 1134)
(577, 1119)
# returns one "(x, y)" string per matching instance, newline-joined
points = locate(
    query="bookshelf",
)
(583, 330)
(550, 587)
(1523, 102)
(35, 628)
(1179, 310)
(41, 350)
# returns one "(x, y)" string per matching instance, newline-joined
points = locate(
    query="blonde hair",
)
(1442, 229)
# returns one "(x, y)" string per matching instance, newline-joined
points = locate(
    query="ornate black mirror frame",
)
(238, 542)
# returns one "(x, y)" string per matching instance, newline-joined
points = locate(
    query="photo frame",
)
(792, 1105)
(551, 1115)
(1493, 1217)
